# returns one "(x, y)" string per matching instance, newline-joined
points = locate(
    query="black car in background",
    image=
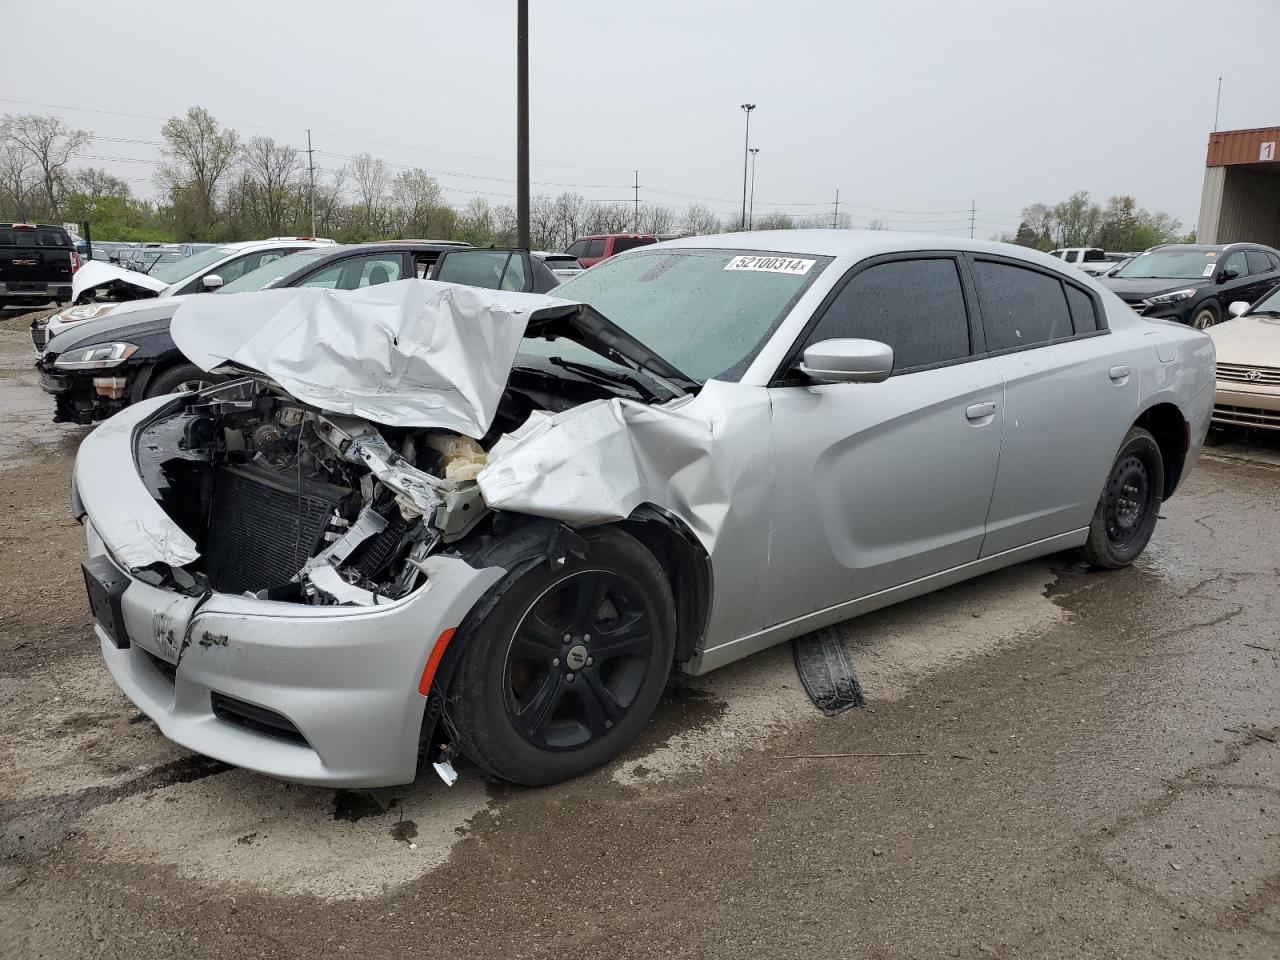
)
(36, 264)
(101, 366)
(1195, 283)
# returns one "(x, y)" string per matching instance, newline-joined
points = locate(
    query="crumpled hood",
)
(415, 353)
(95, 274)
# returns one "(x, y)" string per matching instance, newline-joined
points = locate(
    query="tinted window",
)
(577, 249)
(1084, 316)
(915, 306)
(358, 272)
(1020, 307)
(630, 243)
(595, 248)
(1258, 262)
(1275, 261)
(1094, 256)
(491, 269)
(514, 278)
(1072, 256)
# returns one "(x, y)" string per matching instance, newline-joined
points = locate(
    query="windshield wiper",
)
(1265, 313)
(601, 375)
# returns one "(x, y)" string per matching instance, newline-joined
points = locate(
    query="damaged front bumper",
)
(326, 695)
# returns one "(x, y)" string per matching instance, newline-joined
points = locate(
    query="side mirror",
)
(1227, 274)
(1238, 308)
(210, 282)
(848, 361)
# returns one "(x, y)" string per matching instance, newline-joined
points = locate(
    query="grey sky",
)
(903, 106)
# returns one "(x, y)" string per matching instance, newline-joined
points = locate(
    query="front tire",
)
(564, 662)
(183, 378)
(1129, 506)
(1206, 316)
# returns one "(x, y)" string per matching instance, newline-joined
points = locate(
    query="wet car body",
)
(722, 506)
(1248, 347)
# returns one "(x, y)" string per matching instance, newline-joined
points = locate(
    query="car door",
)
(878, 484)
(1262, 275)
(1070, 397)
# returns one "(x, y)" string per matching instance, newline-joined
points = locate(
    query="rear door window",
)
(1071, 256)
(915, 306)
(1258, 262)
(1020, 307)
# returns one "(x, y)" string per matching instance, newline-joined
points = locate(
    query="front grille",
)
(1239, 373)
(259, 720)
(1246, 416)
(264, 525)
(39, 335)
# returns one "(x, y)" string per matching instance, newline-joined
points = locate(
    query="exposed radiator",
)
(263, 526)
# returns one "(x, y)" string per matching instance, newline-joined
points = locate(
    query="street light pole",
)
(522, 123)
(751, 205)
(747, 108)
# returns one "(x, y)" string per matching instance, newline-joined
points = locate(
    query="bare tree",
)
(18, 181)
(371, 179)
(51, 144)
(200, 152)
(699, 221)
(272, 171)
(775, 221)
(95, 183)
(415, 204)
(877, 224)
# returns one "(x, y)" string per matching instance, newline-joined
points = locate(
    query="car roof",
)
(243, 245)
(846, 244)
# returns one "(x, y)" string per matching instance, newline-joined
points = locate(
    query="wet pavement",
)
(1052, 762)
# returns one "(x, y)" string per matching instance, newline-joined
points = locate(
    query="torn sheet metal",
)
(414, 353)
(704, 459)
(96, 274)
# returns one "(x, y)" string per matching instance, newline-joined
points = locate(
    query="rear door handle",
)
(980, 411)
(1119, 374)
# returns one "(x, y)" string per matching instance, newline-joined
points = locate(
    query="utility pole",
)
(747, 108)
(835, 214)
(522, 123)
(1216, 104)
(635, 223)
(751, 205)
(311, 170)
(973, 215)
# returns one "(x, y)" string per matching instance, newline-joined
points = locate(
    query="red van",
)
(591, 250)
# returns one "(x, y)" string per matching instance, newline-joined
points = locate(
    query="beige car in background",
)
(1249, 365)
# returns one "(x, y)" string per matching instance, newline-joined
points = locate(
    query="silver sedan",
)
(432, 520)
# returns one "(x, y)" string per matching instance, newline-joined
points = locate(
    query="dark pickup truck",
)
(36, 264)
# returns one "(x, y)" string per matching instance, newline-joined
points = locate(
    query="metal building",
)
(1241, 197)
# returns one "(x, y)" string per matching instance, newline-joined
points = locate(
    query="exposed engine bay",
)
(287, 502)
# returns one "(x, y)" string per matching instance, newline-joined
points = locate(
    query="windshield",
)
(707, 312)
(1270, 303)
(189, 266)
(271, 273)
(1171, 265)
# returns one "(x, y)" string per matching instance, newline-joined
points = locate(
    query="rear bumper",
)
(344, 678)
(30, 290)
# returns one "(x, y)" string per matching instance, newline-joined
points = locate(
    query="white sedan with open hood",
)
(432, 519)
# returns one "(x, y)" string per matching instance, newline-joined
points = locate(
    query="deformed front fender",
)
(699, 458)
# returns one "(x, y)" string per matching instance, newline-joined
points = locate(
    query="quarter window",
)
(1020, 307)
(915, 306)
(1084, 315)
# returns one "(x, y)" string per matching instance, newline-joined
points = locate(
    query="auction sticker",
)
(770, 264)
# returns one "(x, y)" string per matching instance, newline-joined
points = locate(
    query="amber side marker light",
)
(433, 661)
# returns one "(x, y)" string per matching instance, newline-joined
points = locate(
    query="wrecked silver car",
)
(432, 520)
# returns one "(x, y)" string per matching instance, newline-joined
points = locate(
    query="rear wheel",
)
(1129, 506)
(183, 378)
(565, 662)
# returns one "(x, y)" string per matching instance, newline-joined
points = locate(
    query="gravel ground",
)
(1086, 765)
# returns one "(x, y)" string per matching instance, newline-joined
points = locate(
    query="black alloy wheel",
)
(577, 659)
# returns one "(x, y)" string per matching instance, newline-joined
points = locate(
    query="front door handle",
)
(1119, 374)
(980, 411)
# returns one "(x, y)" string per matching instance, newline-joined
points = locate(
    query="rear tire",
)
(564, 662)
(181, 379)
(1129, 506)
